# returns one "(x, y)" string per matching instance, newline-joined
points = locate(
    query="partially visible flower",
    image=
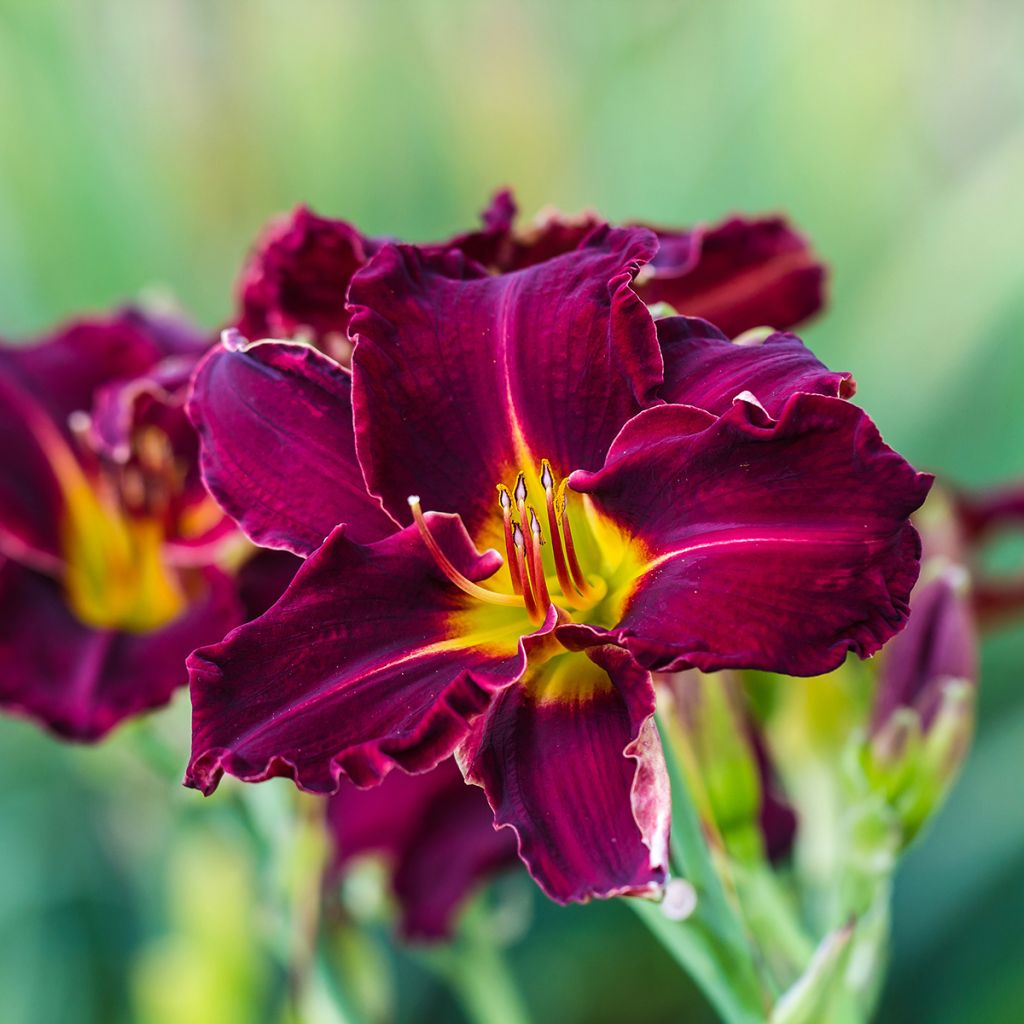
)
(923, 713)
(295, 282)
(437, 834)
(739, 274)
(105, 529)
(726, 531)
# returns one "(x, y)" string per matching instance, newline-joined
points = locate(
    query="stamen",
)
(467, 586)
(536, 562)
(520, 494)
(505, 500)
(547, 478)
(561, 505)
(535, 612)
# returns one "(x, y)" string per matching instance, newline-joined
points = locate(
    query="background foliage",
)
(142, 145)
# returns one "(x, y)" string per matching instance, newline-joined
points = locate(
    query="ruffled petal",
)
(296, 279)
(64, 371)
(571, 761)
(277, 450)
(461, 378)
(437, 831)
(704, 368)
(371, 658)
(775, 545)
(739, 274)
(80, 682)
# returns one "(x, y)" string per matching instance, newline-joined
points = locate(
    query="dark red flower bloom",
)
(730, 531)
(98, 491)
(742, 273)
(437, 833)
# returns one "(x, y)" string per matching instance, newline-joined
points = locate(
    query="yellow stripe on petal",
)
(569, 678)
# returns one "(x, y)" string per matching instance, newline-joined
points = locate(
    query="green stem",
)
(712, 945)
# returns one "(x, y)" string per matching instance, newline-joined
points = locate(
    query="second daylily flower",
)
(663, 498)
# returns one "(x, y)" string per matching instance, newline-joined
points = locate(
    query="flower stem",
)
(478, 975)
(712, 945)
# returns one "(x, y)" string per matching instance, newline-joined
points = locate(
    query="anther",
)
(467, 586)
(505, 500)
(520, 494)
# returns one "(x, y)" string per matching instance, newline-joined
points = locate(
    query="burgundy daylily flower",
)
(438, 835)
(742, 273)
(99, 483)
(638, 536)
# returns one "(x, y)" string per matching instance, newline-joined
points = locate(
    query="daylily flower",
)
(437, 834)
(739, 274)
(524, 411)
(101, 512)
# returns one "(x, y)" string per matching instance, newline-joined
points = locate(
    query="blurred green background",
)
(143, 144)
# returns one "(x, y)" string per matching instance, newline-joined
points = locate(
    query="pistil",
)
(467, 586)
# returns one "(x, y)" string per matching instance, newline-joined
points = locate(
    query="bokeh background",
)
(142, 146)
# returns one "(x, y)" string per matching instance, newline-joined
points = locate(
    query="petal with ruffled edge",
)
(437, 831)
(739, 274)
(277, 450)
(704, 368)
(571, 761)
(296, 279)
(64, 371)
(79, 681)
(371, 658)
(461, 378)
(775, 545)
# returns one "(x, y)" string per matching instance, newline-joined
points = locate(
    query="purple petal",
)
(263, 578)
(438, 833)
(775, 545)
(64, 371)
(31, 497)
(705, 369)
(570, 760)
(740, 274)
(368, 659)
(296, 279)
(79, 681)
(275, 425)
(460, 378)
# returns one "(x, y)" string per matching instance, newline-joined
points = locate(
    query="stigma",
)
(526, 534)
